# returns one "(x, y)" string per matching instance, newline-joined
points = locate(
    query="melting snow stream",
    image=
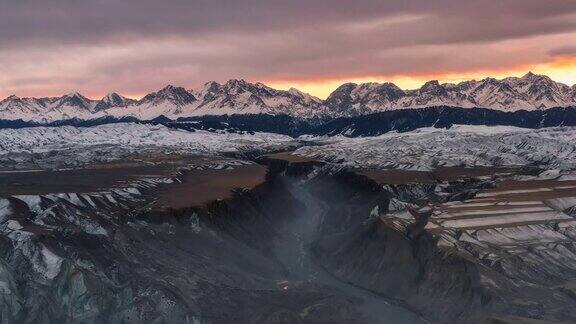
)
(293, 251)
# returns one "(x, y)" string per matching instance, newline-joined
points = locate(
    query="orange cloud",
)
(561, 69)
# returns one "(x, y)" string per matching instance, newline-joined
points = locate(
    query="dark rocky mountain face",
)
(341, 97)
(252, 98)
(237, 93)
(352, 99)
(75, 100)
(433, 88)
(390, 91)
(171, 94)
(113, 100)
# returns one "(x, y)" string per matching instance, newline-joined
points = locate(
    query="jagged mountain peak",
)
(390, 85)
(297, 92)
(236, 82)
(212, 84)
(533, 76)
(489, 80)
(206, 89)
(173, 94)
(74, 94)
(432, 90)
(75, 100)
(113, 99)
(170, 89)
(359, 89)
(528, 78)
(241, 85)
(347, 85)
(9, 101)
(344, 90)
(11, 97)
(301, 94)
(538, 78)
(305, 97)
(432, 84)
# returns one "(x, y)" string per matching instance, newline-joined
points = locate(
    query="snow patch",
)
(52, 263)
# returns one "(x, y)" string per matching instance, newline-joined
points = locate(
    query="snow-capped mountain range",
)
(530, 92)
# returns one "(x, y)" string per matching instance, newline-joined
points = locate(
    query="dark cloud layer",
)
(152, 42)
(92, 20)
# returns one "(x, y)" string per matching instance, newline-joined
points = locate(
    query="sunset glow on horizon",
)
(561, 70)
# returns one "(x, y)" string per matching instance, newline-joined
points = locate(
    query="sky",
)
(52, 47)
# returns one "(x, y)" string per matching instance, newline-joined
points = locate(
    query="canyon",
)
(161, 224)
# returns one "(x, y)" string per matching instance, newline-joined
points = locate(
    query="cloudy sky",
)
(50, 47)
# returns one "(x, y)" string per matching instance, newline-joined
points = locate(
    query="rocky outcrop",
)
(449, 275)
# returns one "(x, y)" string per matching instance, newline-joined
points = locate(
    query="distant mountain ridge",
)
(530, 92)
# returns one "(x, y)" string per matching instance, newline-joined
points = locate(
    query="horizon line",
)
(277, 85)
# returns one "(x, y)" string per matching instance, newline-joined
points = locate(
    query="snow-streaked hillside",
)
(422, 149)
(530, 92)
(426, 148)
(132, 137)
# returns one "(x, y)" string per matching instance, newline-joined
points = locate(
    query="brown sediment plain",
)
(94, 177)
(197, 186)
(40, 182)
(201, 186)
